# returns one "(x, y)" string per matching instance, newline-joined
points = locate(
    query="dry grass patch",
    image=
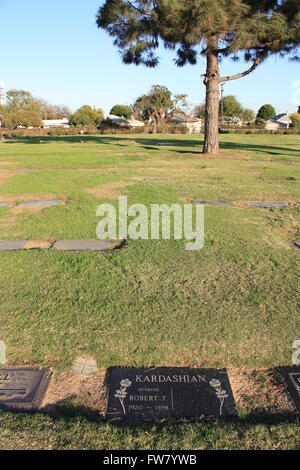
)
(110, 190)
(37, 244)
(14, 214)
(4, 175)
(261, 389)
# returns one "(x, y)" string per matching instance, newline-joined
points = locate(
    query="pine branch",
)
(255, 64)
(138, 9)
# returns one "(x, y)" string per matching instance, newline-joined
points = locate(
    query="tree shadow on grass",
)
(158, 142)
(206, 432)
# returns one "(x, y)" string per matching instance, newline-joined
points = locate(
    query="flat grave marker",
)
(22, 389)
(213, 203)
(85, 367)
(291, 376)
(268, 204)
(50, 202)
(82, 245)
(11, 245)
(156, 394)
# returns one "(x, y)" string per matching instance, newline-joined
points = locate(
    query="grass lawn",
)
(234, 304)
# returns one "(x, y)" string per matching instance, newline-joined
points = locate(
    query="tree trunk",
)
(212, 80)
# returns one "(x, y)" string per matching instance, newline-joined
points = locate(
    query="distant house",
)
(192, 124)
(281, 121)
(122, 122)
(231, 121)
(63, 123)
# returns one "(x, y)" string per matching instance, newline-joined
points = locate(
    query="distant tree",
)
(17, 100)
(267, 111)
(249, 29)
(21, 108)
(154, 106)
(62, 111)
(87, 116)
(199, 111)
(298, 110)
(121, 110)
(180, 104)
(231, 107)
(24, 117)
(50, 111)
(295, 117)
(248, 115)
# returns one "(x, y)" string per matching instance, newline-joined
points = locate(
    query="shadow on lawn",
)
(67, 411)
(157, 143)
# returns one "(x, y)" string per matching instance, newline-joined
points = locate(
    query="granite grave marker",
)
(156, 394)
(291, 376)
(22, 389)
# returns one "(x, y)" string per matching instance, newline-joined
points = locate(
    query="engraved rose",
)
(122, 393)
(220, 393)
(125, 383)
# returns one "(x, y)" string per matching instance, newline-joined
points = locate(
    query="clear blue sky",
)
(54, 49)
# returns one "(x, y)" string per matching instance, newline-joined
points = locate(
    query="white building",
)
(192, 124)
(281, 121)
(63, 123)
(122, 122)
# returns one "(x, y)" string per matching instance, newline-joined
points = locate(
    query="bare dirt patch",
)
(109, 190)
(90, 392)
(260, 388)
(37, 244)
(3, 162)
(4, 175)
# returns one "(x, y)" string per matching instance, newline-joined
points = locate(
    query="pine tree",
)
(248, 29)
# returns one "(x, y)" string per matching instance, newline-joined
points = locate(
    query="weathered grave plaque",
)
(291, 376)
(48, 202)
(83, 245)
(11, 245)
(213, 203)
(22, 389)
(268, 204)
(140, 395)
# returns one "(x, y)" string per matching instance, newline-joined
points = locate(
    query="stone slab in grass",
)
(85, 367)
(156, 394)
(29, 170)
(213, 203)
(11, 245)
(297, 245)
(5, 204)
(268, 204)
(50, 202)
(291, 376)
(83, 245)
(23, 389)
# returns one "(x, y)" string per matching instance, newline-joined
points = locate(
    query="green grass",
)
(233, 303)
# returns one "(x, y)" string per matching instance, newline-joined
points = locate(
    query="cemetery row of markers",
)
(144, 395)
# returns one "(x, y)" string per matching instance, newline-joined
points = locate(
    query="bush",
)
(121, 110)
(87, 116)
(296, 120)
(267, 111)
